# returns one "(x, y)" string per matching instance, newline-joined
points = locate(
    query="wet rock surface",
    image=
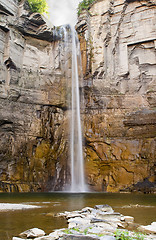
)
(86, 224)
(149, 228)
(32, 233)
(33, 116)
(118, 55)
(120, 114)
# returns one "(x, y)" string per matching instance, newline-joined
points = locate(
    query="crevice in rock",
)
(4, 11)
(4, 122)
(10, 64)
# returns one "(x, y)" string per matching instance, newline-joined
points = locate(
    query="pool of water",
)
(142, 207)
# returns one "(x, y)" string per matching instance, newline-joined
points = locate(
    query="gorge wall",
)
(33, 145)
(118, 41)
(118, 44)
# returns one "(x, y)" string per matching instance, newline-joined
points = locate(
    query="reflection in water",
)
(136, 206)
(14, 222)
(76, 201)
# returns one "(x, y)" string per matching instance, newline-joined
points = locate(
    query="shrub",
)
(85, 4)
(125, 235)
(39, 6)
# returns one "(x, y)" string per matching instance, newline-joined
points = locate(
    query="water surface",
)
(142, 207)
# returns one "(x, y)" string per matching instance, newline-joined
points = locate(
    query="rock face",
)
(33, 120)
(119, 62)
(119, 57)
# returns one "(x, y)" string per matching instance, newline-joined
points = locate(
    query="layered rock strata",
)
(33, 120)
(119, 57)
(119, 62)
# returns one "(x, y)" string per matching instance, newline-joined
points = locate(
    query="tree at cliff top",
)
(39, 6)
(85, 4)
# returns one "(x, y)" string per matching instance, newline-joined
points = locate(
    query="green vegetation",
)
(70, 230)
(119, 234)
(67, 231)
(86, 231)
(85, 4)
(76, 229)
(125, 235)
(39, 6)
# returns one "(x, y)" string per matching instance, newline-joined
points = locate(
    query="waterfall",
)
(77, 162)
(64, 12)
(72, 45)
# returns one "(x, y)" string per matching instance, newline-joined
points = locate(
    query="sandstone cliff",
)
(118, 40)
(33, 145)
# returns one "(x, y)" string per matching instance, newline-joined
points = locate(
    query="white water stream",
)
(63, 12)
(77, 161)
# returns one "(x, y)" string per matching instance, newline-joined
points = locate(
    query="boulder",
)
(74, 214)
(79, 220)
(104, 208)
(57, 233)
(97, 220)
(109, 226)
(95, 230)
(85, 210)
(149, 228)
(32, 233)
(127, 219)
(109, 216)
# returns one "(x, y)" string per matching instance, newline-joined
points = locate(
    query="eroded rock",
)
(149, 228)
(33, 90)
(118, 55)
(119, 94)
(104, 208)
(32, 233)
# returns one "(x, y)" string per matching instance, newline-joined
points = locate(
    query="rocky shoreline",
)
(98, 223)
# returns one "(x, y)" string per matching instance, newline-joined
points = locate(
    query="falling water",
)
(63, 12)
(76, 149)
(77, 162)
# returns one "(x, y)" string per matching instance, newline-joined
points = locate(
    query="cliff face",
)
(120, 76)
(33, 135)
(119, 58)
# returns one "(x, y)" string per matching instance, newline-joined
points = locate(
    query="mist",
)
(63, 12)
